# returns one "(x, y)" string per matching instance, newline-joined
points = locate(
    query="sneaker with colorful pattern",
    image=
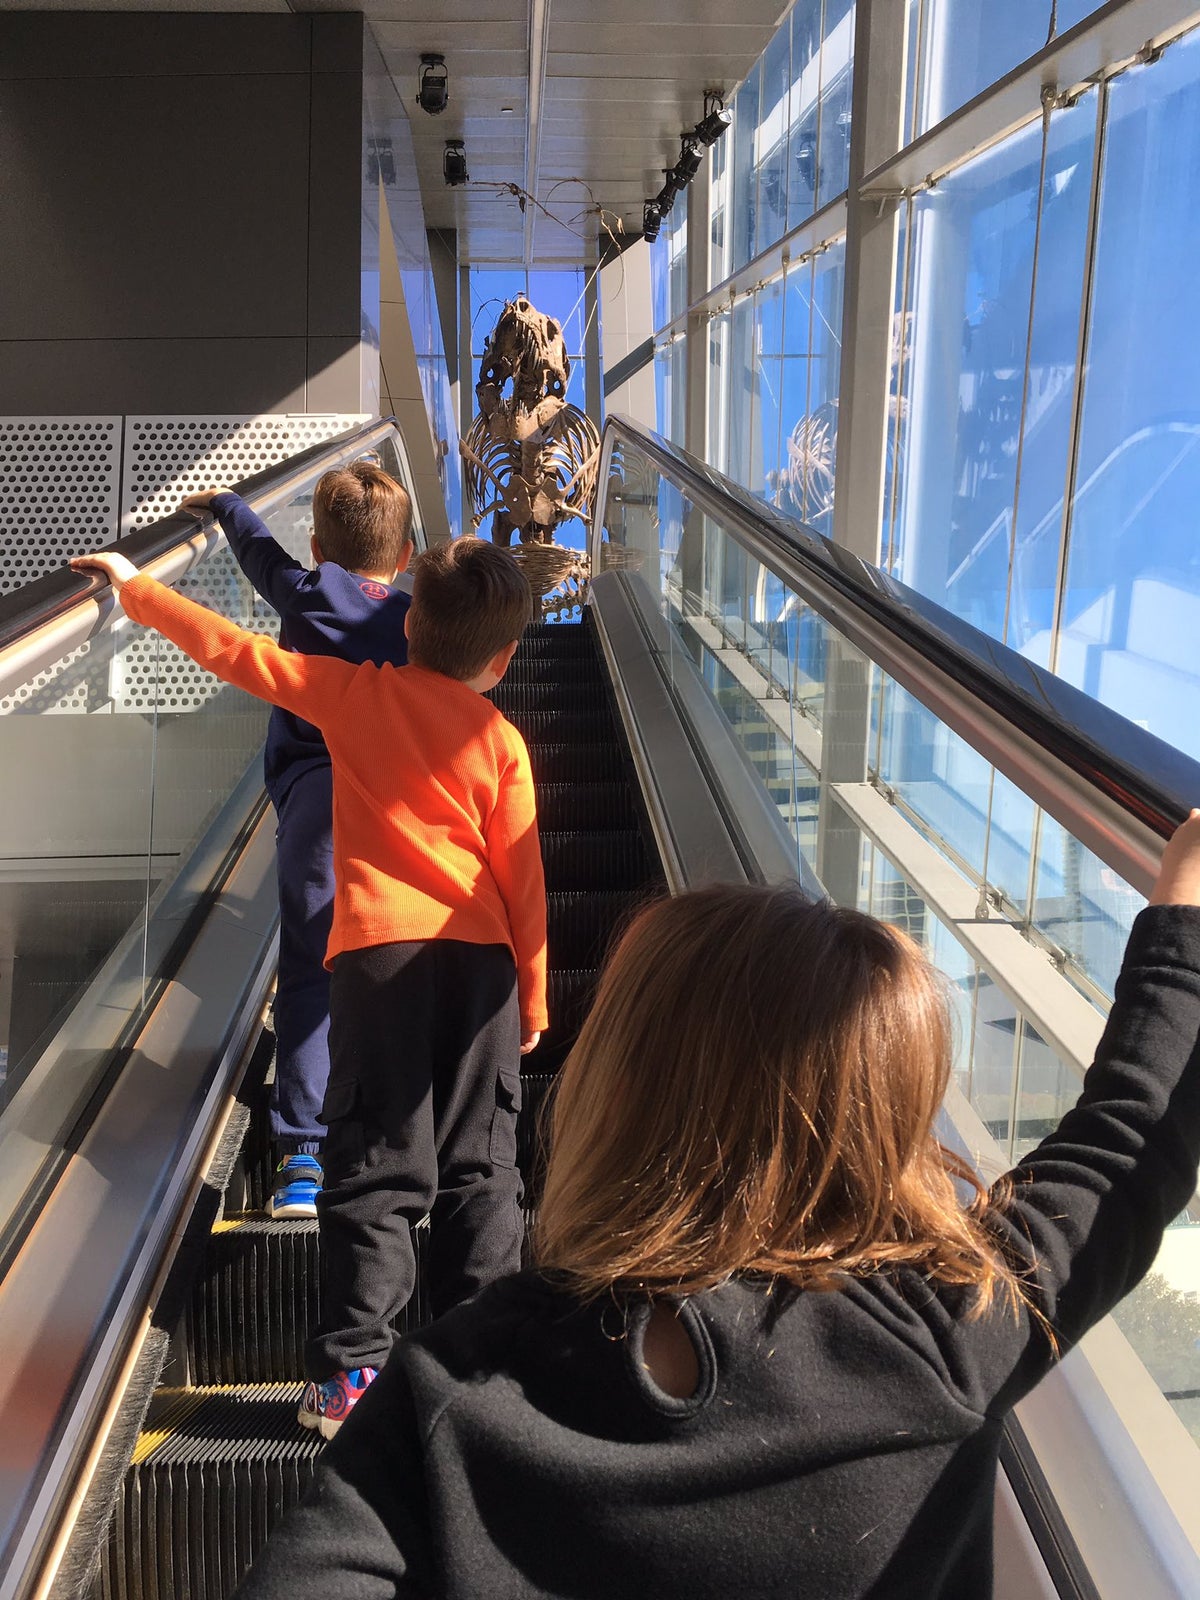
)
(297, 1181)
(325, 1406)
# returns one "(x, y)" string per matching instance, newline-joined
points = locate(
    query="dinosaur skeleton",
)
(531, 457)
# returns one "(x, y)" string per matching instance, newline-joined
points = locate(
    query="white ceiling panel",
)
(622, 82)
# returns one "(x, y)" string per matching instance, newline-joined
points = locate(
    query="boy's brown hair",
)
(470, 599)
(362, 519)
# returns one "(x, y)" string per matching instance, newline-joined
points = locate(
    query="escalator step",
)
(555, 641)
(514, 699)
(598, 860)
(569, 993)
(583, 926)
(565, 807)
(561, 727)
(214, 1471)
(575, 763)
(256, 1298)
(554, 669)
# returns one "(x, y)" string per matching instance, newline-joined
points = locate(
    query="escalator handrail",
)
(53, 614)
(1119, 788)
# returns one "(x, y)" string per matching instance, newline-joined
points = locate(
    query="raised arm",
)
(311, 686)
(515, 859)
(1090, 1204)
(276, 575)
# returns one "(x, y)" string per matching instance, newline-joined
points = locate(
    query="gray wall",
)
(180, 212)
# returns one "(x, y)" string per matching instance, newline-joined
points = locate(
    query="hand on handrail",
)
(202, 499)
(116, 568)
(1178, 882)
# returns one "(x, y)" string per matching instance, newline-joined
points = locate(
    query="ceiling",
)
(592, 121)
(592, 126)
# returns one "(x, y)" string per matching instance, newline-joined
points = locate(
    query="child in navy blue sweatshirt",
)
(344, 606)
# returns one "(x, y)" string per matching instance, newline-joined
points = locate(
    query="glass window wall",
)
(787, 153)
(967, 45)
(1131, 604)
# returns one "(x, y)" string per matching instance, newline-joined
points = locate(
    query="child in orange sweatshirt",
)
(438, 946)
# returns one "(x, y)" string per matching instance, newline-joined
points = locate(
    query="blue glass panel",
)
(1072, 11)
(804, 111)
(794, 387)
(560, 295)
(837, 66)
(970, 44)
(938, 775)
(1010, 841)
(971, 275)
(1082, 906)
(490, 288)
(1050, 393)
(991, 1083)
(676, 250)
(1131, 611)
(660, 295)
(772, 212)
(742, 201)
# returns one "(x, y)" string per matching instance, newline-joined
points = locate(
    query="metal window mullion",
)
(1047, 113)
(888, 557)
(869, 290)
(1077, 398)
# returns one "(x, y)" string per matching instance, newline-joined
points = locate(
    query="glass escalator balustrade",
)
(113, 764)
(900, 817)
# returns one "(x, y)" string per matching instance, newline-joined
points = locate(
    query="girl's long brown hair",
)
(754, 1091)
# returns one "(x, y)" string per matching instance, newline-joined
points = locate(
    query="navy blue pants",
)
(304, 864)
(424, 1091)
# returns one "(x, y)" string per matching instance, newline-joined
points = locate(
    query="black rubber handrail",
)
(1142, 775)
(46, 598)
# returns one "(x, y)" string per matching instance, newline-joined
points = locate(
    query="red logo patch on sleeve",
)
(375, 591)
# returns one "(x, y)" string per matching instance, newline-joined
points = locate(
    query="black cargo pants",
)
(424, 1090)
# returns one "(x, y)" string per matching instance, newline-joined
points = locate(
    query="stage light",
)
(432, 90)
(651, 220)
(717, 117)
(454, 163)
(690, 160)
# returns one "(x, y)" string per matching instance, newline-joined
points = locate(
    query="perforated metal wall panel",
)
(60, 478)
(79, 682)
(169, 457)
(65, 490)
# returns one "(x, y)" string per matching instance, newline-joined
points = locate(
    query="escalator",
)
(220, 1456)
(740, 702)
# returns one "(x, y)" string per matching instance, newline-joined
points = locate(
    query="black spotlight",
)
(651, 220)
(432, 91)
(665, 198)
(717, 117)
(454, 163)
(690, 159)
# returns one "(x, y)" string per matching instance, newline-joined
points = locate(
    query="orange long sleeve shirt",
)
(434, 825)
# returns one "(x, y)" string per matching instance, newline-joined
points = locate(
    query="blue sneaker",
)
(325, 1406)
(297, 1180)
